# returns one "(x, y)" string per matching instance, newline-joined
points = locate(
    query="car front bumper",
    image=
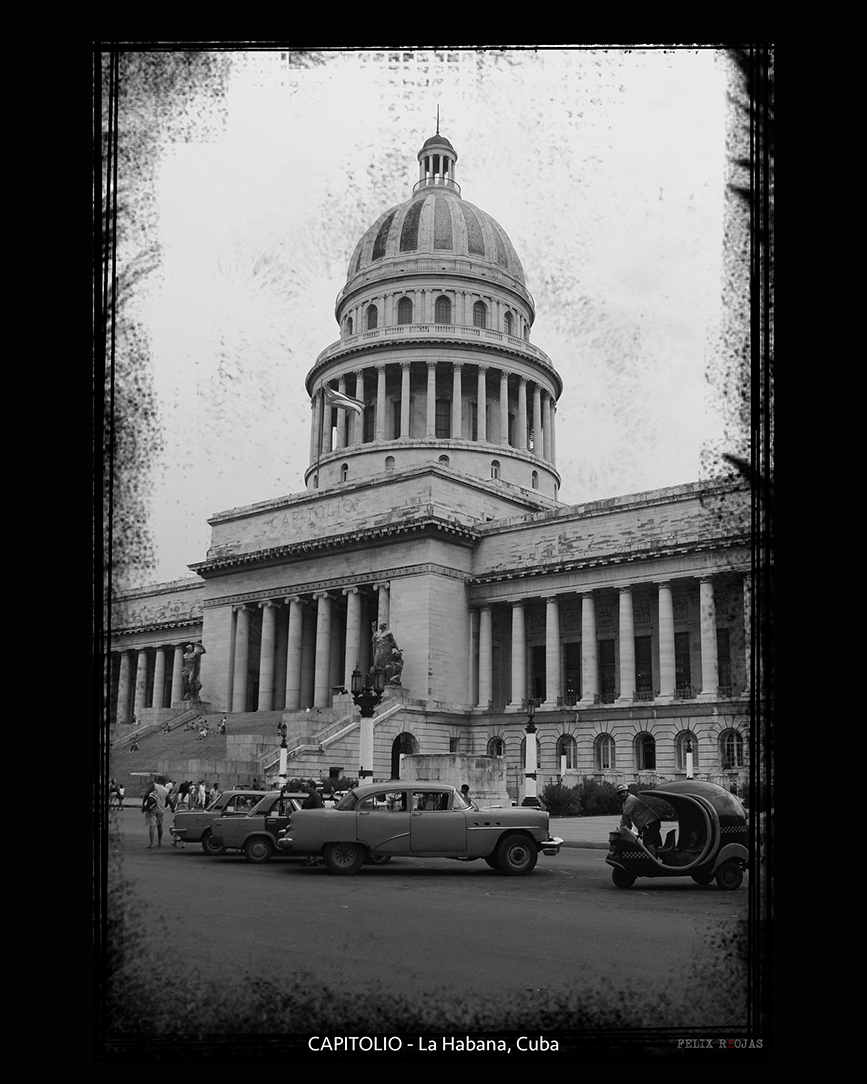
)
(551, 846)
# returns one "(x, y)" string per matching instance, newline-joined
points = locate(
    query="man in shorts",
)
(154, 807)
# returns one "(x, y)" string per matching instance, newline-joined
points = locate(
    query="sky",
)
(606, 168)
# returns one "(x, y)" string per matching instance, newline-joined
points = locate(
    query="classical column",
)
(482, 404)
(709, 660)
(123, 688)
(486, 658)
(314, 426)
(293, 653)
(404, 401)
(356, 421)
(141, 684)
(266, 655)
(553, 433)
(589, 667)
(431, 400)
(522, 413)
(327, 417)
(546, 427)
(519, 656)
(242, 647)
(177, 675)
(537, 421)
(160, 678)
(322, 666)
(627, 648)
(552, 652)
(383, 613)
(380, 402)
(341, 417)
(456, 401)
(666, 645)
(352, 657)
(504, 407)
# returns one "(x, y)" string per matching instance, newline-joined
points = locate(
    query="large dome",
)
(436, 223)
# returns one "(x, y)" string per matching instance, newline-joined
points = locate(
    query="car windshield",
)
(347, 801)
(215, 801)
(460, 802)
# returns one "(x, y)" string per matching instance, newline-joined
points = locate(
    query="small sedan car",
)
(256, 834)
(194, 826)
(418, 820)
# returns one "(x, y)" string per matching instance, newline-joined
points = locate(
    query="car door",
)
(277, 816)
(382, 822)
(435, 827)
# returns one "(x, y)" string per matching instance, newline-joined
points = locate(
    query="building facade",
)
(431, 506)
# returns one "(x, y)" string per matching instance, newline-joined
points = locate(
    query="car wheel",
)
(379, 859)
(516, 855)
(258, 849)
(621, 878)
(208, 845)
(492, 861)
(729, 876)
(702, 878)
(343, 857)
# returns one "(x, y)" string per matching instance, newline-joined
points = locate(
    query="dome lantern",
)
(436, 164)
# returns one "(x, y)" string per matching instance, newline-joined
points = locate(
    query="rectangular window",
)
(724, 661)
(682, 674)
(454, 745)
(369, 423)
(606, 671)
(474, 419)
(643, 668)
(539, 674)
(443, 419)
(572, 672)
(512, 430)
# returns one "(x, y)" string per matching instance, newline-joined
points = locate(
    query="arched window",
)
(372, 317)
(344, 472)
(603, 749)
(496, 747)
(508, 322)
(480, 314)
(389, 462)
(535, 479)
(316, 481)
(348, 325)
(645, 753)
(731, 750)
(443, 311)
(567, 748)
(404, 311)
(495, 468)
(685, 738)
(444, 459)
(526, 332)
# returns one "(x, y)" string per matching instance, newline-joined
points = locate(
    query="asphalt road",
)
(418, 925)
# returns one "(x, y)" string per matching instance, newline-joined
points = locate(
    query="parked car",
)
(418, 820)
(256, 834)
(195, 826)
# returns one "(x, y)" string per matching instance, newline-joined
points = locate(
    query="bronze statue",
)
(387, 656)
(190, 671)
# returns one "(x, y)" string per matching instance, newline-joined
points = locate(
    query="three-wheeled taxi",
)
(711, 841)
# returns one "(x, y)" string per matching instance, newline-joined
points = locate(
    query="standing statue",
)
(190, 671)
(387, 656)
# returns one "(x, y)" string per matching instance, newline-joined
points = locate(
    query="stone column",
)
(431, 399)
(266, 656)
(482, 403)
(552, 652)
(379, 433)
(384, 609)
(522, 413)
(242, 647)
(519, 656)
(504, 407)
(546, 427)
(404, 401)
(627, 647)
(322, 666)
(327, 416)
(341, 417)
(553, 434)
(486, 658)
(537, 421)
(456, 402)
(177, 675)
(160, 678)
(709, 659)
(356, 421)
(666, 645)
(293, 653)
(314, 426)
(141, 683)
(589, 665)
(123, 688)
(352, 656)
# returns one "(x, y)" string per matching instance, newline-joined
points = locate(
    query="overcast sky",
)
(606, 169)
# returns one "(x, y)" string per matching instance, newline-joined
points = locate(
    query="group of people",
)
(164, 796)
(116, 794)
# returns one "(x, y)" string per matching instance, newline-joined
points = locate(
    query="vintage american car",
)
(377, 821)
(194, 826)
(256, 834)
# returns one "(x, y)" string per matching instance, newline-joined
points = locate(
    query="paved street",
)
(420, 924)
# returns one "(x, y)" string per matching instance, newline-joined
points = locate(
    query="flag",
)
(343, 402)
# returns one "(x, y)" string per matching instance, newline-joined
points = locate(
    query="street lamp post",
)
(689, 758)
(530, 759)
(367, 693)
(284, 754)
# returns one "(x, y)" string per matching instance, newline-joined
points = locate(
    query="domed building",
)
(432, 508)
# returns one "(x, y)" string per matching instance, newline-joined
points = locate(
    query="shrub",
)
(561, 801)
(599, 799)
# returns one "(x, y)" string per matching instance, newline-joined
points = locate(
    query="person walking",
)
(154, 808)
